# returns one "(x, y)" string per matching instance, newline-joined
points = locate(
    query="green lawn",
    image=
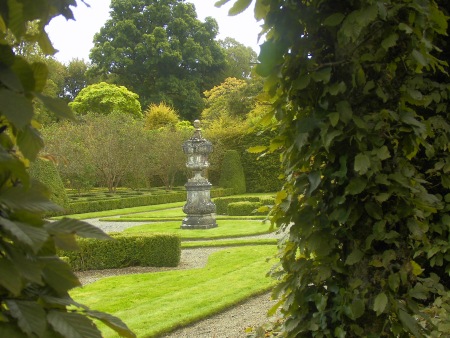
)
(154, 303)
(225, 229)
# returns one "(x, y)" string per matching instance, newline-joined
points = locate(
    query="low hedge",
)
(129, 202)
(123, 251)
(222, 203)
(244, 208)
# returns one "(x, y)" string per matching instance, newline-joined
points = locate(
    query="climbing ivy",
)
(360, 92)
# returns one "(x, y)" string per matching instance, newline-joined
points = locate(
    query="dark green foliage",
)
(244, 208)
(45, 172)
(360, 92)
(232, 175)
(123, 251)
(34, 282)
(161, 51)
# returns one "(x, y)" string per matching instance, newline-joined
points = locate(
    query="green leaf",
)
(32, 200)
(355, 256)
(362, 163)
(390, 41)
(57, 106)
(257, 149)
(46, 44)
(419, 57)
(322, 75)
(113, 322)
(404, 27)
(59, 275)
(12, 164)
(382, 153)
(302, 82)
(11, 330)
(329, 137)
(356, 186)
(221, 3)
(409, 323)
(239, 6)
(357, 309)
(334, 19)
(314, 181)
(40, 72)
(30, 316)
(380, 303)
(345, 111)
(72, 325)
(394, 281)
(74, 226)
(32, 236)
(334, 118)
(416, 268)
(9, 278)
(26, 267)
(10, 79)
(374, 210)
(16, 107)
(30, 142)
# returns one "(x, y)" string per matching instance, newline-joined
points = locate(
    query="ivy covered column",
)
(199, 208)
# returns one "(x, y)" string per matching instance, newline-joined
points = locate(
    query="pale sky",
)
(74, 39)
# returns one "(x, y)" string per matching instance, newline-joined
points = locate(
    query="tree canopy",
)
(360, 96)
(104, 98)
(240, 59)
(161, 51)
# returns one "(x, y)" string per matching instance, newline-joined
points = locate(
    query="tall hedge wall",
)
(45, 172)
(232, 175)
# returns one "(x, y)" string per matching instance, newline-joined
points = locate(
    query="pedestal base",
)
(199, 222)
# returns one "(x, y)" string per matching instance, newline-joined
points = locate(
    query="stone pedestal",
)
(199, 208)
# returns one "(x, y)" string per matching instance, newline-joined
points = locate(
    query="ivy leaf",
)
(239, 6)
(354, 257)
(30, 316)
(362, 163)
(73, 325)
(113, 322)
(380, 303)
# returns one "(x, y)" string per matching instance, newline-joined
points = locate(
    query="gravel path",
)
(230, 323)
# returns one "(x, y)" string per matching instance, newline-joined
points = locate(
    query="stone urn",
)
(199, 209)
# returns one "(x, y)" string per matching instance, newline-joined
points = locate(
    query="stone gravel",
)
(231, 323)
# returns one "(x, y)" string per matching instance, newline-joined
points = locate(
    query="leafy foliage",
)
(160, 116)
(161, 51)
(34, 282)
(104, 98)
(239, 58)
(360, 94)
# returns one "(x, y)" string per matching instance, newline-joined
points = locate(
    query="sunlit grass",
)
(154, 303)
(225, 229)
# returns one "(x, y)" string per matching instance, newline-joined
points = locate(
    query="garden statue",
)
(199, 208)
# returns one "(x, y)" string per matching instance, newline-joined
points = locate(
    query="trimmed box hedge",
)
(244, 208)
(122, 251)
(129, 202)
(222, 203)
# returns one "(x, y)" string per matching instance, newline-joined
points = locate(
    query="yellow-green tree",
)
(160, 116)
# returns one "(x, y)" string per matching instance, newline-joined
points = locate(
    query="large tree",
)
(240, 59)
(360, 92)
(161, 51)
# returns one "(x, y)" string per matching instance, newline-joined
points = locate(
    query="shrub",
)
(244, 208)
(222, 203)
(122, 251)
(232, 175)
(45, 172)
